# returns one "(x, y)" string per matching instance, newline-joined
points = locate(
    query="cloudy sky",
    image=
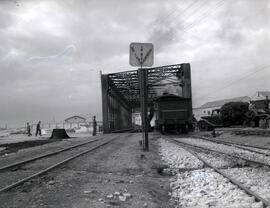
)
(52, 51)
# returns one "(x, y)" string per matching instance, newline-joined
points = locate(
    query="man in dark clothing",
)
(28, 128)
(94, 126)
(38, 130)
(194, 122)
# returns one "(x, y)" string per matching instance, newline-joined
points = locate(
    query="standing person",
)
(94, 126)
(194, 122)
(28, 128)
(38, 130)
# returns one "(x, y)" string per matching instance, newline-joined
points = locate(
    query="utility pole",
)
(142, 74)
(142, 54)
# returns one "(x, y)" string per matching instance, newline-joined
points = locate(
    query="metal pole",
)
(143, 100)
(105, 104)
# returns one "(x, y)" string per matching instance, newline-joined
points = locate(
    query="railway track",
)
(260, 150)
(258, 198)
(234, 155)
(43, 155)
(71, 153)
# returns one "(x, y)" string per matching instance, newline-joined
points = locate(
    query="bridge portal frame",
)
(124, 91)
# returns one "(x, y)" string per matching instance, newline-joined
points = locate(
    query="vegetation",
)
(233, 113)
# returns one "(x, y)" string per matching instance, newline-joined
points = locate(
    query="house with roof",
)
(207, 108)
(260, 98)
(75, 119)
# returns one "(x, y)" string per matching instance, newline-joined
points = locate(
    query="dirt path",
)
(119, 175)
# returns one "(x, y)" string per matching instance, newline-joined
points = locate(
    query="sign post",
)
(142, 74)
(141, 54)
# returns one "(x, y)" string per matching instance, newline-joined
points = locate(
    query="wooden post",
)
(142, 75)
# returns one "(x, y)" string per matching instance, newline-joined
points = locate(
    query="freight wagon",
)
(173, 113)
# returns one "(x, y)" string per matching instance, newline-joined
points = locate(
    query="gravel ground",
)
(263, 151)
(118, 175)
(7, 177)
(220, 161)
(178, 157)
(203, 187)
(206, 188)
(228, 135)
(256, 179)
(227, 149)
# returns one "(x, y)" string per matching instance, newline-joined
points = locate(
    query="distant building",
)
(75, 119)
(136, 119)
(207, 108)
(259, 99)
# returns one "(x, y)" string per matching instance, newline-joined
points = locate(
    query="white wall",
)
(199, 112)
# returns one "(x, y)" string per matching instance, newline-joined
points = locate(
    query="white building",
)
(259, 99)
(75, 120)
(207, 108)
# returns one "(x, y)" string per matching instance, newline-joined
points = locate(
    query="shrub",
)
(233, 113)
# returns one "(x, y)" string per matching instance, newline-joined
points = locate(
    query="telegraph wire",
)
(259, 69)
(162, 19)
(188, 27)
(203, 16)
(189, 8)
(179, 14)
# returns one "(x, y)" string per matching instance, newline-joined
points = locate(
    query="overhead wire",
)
(259, 69)
(162, 19)
(204, 16)
(179, 14)
(190, 17)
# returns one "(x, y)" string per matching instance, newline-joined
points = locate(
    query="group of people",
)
(38, 129)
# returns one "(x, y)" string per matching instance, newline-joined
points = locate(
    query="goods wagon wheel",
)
(162, 129)
(184, 129)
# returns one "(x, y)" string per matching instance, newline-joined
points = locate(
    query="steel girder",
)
(127, 83)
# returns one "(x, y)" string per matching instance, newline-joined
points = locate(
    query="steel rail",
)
(240, 146)
(232, 143)
(20, 182)
(45, 155)
(237, 183)
(235, 156)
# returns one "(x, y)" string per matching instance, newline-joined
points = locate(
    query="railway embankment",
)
(118, 174)
(113, 171)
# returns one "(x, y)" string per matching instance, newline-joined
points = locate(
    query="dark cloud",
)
(163, 29)
(51, 51)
